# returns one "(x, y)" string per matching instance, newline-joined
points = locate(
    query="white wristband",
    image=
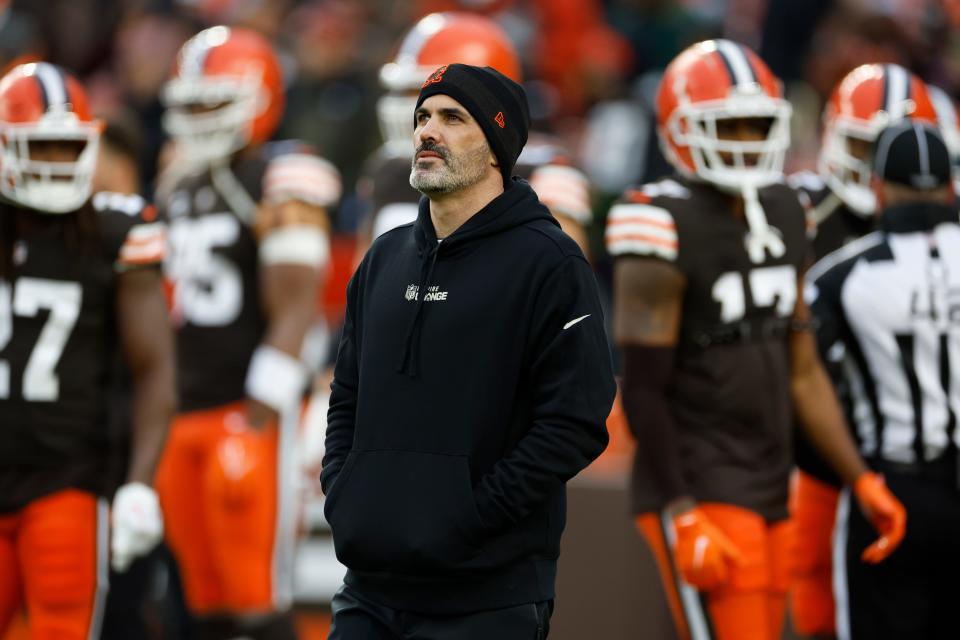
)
(275, 378)
(296, 244)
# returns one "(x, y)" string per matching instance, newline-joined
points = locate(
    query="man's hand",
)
(703, 553)
(884, 511)
(136, 523)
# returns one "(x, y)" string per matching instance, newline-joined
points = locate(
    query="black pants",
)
(913, 593)
(355, 618)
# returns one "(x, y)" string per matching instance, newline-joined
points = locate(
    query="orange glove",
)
(885, 512)
(702, 552)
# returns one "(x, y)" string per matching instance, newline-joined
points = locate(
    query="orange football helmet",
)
(226, 92)
(40, 102)
(867, 99)
(438, 39)
(716, 80)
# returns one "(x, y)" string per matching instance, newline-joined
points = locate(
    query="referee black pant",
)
(355, 618)
(914, 592)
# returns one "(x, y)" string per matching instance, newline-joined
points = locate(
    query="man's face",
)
(743, 130)
(56, 150)
(452, 152)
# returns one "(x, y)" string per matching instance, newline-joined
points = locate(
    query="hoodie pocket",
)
(406, 512)
(330, 500)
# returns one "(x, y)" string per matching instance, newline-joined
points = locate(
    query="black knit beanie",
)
(495, 101)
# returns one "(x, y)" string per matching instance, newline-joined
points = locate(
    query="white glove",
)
(136, 522)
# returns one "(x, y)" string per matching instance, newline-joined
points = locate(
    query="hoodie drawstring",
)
(411, 350)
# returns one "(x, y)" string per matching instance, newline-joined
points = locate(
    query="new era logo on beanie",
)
(497, 103)
(436, 76)
(913, 154)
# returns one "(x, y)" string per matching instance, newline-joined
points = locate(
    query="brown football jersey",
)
(730, 394)
(830, 223)
(58, 344)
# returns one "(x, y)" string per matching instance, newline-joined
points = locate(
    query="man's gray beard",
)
(454, 174)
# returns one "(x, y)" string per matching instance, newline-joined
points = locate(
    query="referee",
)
(889, 305)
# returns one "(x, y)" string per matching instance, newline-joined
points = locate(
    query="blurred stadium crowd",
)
(591, 69)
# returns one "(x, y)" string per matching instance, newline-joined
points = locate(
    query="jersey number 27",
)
(29, 296)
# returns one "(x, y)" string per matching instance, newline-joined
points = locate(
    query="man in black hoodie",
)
(473, 380)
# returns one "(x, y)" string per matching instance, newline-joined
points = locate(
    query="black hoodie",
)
(456, 417)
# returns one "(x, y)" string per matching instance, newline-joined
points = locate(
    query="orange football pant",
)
(813, 508)
(217, 482)
(53, 558)
(752, 603)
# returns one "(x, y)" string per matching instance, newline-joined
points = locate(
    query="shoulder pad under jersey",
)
(295, 172)
(130, 229)
(634, 228)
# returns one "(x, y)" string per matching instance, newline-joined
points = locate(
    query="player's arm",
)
(816, 402)
(648, 296)
(292, 228)
(648, 301)
(649, 287)
(820, 416)
(147, 343)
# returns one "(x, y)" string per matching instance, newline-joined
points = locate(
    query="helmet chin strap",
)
(761, 237)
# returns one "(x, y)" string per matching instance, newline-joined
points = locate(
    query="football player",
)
(717, 352)
(840, 208)
(838, 198)
(442, 38)
(79, 279)
(248, 244)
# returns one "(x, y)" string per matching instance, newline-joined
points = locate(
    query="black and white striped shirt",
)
(888, 307)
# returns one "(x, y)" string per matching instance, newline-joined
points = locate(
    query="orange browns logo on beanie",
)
(499, 120)
(435, 77)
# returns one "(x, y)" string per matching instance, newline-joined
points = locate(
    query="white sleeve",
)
(641, 229)
(301, 176)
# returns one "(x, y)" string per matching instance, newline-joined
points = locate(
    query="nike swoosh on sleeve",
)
(575, 321)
